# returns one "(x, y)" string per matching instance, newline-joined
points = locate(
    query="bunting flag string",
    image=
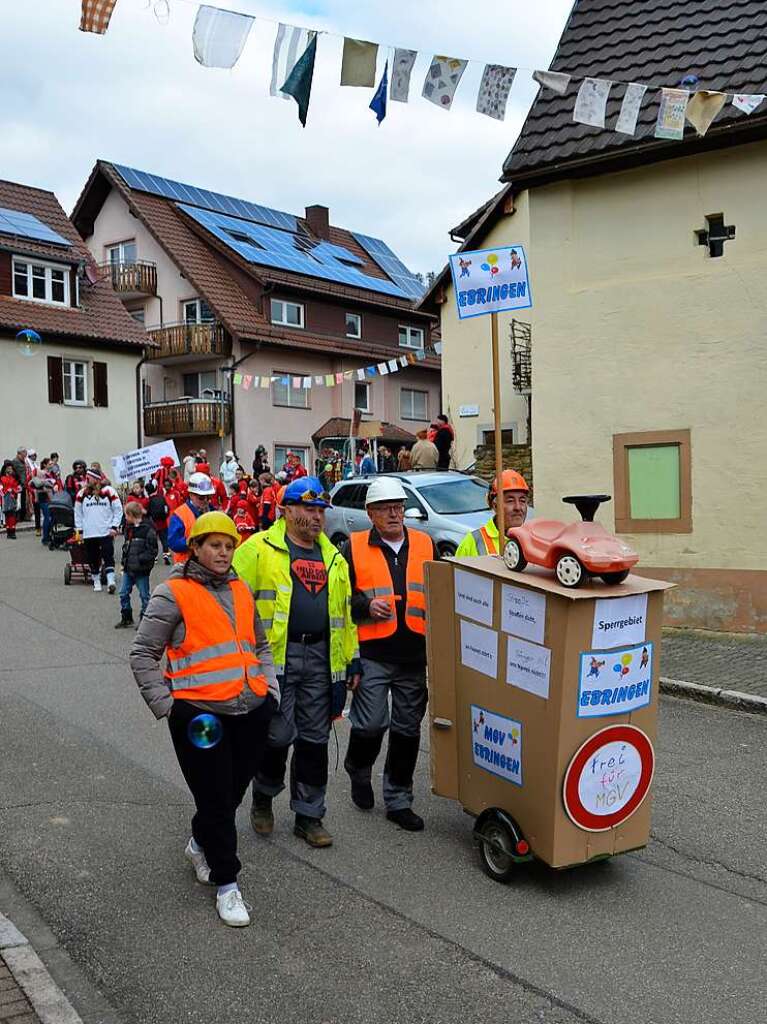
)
(255, 382)
(219, 37)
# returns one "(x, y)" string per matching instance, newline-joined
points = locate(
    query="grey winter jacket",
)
(162, 626)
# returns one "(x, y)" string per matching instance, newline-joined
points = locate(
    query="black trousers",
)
(218, 778)
(100, 549)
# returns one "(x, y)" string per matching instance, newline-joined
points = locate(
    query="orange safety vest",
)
(490, 544)
(188, 518)
(215, 658)
(373, 579)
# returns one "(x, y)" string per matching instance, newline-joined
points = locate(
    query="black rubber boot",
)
(407, 819)
(126, 622)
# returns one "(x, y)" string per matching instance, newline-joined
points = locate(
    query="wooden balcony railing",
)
(186, 416)
(136, 278)
(190, 339)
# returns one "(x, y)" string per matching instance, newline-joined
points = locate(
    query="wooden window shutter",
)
(55, 380)
(100, 390)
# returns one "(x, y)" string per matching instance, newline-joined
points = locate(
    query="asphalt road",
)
(385, 926)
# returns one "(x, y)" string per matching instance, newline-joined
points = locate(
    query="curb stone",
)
(734, 699)
(30, 974)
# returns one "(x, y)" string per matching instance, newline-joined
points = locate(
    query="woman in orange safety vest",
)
(218, 690)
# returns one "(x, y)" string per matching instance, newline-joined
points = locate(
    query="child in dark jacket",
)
(138, 557)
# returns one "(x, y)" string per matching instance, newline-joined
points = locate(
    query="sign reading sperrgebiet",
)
(490, 281)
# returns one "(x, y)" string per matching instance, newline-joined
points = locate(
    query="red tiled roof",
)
(338, 426)
(100, 316)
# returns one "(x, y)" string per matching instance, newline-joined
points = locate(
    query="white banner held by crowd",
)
(142, 461)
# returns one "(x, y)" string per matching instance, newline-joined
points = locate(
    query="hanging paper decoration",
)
(348, 374)
(673, 105)
(237, 378)
(494, 90)
(329, 380)
(307, 382)
(442, 80)
(378, 103)
(246, 380)
(437, 348)
(219, 36)
(401, 70)
(298, 382)
(383, 369)
(703, 108)
(95, 15)
(339, 378)
(266, 382)
(403, 361)
(747, 102)
(591, 102)
(632, 101)
(299, 82)
(554, 80)
(290, 44)
(370, 371)
(358, 65)
(360, 374)
(393, 366)
(421, 355)
(319, 379)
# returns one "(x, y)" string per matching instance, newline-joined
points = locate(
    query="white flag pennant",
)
(289, 47)
(393, 366)
(673, 107)
(402, 69)
(360, 374)
(442, 80)
(494, 90)
(747, 102)
(319, 379)
(591, 102)
(557, 81)
(219, 36)
(383, 369)
(632, 101)
(307, 382)
(403, 361)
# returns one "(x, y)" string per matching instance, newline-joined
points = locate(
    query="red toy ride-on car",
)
(575, 551)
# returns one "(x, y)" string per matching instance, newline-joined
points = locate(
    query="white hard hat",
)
(229, 455)
(200, 483)
(385, 488)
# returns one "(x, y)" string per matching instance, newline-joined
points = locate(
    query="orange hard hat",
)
(511, 480)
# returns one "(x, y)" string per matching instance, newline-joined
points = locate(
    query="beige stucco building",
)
(649, 276)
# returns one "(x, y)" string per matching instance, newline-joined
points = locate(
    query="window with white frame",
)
(40, 282)
(289, 314)
(75, 379)
(410, 337)
(283, 392)
(353, 325)
(122, 252)
(281, 455)
(362, 396)
(197, 311)
(414, 405)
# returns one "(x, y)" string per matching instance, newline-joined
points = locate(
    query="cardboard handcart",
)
(543, 704)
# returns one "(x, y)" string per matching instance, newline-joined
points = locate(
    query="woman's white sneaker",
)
(232, 910)
(198, 862)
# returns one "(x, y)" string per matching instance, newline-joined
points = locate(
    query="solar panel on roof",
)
(201, 197)
(26, 225)
(381, 254)
(292, 251)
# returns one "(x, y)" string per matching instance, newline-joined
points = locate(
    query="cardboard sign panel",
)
(142, 461)
(490, 281)
(615, 682)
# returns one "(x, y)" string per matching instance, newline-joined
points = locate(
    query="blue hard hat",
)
(307, 490)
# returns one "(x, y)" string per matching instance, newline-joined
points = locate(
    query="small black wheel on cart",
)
(501, 846)
(613, 578)
(68, 574)
(513, 557)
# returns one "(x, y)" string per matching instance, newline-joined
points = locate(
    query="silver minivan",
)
(444, 504)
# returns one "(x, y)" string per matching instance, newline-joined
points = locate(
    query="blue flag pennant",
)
(378, 103)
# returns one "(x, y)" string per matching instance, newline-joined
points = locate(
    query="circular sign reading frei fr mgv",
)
(608, 778)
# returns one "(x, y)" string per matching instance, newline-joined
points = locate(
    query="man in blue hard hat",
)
(303, 594)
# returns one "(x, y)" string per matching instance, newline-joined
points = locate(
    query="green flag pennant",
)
(299, 82)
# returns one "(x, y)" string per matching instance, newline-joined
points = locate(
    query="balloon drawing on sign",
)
(205, 731)
(485, 266)
(28, 342)
(626, 659)
(616, 668)
(492, 259)
(624, 670)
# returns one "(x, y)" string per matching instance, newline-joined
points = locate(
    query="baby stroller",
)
(62, 520)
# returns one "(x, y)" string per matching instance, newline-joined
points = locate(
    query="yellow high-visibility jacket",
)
(483, 541)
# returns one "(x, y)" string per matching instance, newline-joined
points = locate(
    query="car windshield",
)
(456, 497)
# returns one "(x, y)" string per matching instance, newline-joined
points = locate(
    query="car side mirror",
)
(414, 513)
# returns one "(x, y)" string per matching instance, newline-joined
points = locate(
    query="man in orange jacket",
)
(389, 606)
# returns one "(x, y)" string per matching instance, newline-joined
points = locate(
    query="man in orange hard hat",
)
(516, 494)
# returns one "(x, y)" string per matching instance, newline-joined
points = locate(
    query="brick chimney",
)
(318, 219)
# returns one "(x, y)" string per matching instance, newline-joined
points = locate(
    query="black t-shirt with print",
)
(309, 602)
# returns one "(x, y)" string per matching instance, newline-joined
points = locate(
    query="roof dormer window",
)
(37, 281)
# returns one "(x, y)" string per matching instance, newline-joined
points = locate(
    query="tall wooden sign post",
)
(492, 281)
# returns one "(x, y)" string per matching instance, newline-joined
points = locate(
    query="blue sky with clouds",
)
(137, 96)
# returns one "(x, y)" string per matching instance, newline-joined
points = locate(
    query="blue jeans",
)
(127, 585)
(46, 521)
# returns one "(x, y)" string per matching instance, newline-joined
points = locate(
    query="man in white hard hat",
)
(201, 490)
(389, 606)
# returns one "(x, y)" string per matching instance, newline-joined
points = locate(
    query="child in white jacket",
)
(98, 515)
